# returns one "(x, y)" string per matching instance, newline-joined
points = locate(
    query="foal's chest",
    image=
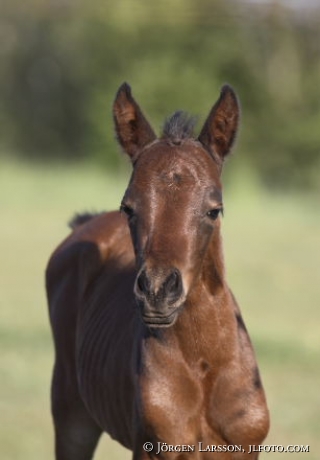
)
(197, 405)
(174, 397)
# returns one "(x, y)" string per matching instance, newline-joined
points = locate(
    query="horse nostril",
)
(173, 284)
(143, 283)
(157, 289)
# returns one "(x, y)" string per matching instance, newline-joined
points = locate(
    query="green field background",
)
(272, 252)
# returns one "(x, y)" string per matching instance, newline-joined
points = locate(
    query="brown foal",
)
(150, 345)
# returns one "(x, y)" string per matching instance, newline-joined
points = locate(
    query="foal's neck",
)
(200, 327)
(212, 276)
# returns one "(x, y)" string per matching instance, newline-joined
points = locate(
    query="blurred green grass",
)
(272, 250)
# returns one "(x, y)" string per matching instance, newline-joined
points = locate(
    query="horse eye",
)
(214, 213)
(127, 210)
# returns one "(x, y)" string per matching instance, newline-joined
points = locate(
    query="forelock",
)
(178, 127)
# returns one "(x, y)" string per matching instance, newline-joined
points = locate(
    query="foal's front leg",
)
(76, 433)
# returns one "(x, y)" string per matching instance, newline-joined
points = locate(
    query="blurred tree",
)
(61, 63)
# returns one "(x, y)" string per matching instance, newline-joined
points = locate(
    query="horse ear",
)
(133, 130)
(219, 131)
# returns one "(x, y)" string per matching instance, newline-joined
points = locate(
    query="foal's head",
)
(174, 199)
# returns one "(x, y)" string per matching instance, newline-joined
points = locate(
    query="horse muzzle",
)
(160, 295)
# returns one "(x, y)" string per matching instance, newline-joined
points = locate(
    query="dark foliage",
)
(61, 63)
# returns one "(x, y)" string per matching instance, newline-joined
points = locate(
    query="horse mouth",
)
(160, 321)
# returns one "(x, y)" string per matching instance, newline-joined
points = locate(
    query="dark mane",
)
(179, 126)
(82, 218)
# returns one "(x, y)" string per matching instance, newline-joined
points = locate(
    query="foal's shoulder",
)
(103, 228)
(98, 237)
